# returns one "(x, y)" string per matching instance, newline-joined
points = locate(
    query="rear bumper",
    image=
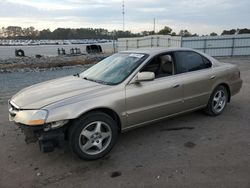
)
(235, 87)
(48, 140)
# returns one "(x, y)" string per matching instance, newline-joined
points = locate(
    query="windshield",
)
(114, 69)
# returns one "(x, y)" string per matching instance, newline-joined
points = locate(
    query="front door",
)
(152, 100)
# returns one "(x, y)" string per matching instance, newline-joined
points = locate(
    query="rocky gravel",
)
(33, 64)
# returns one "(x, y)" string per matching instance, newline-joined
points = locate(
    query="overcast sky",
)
(198, 16)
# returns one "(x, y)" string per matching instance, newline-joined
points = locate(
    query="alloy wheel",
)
(219, 101)
(95, 138)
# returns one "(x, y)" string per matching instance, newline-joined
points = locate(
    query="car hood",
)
(46, 93)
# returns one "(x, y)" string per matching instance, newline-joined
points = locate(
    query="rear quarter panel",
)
(227, 74)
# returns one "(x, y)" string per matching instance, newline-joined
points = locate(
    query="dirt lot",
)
(193, 150)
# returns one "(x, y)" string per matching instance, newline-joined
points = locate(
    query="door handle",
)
(212, 77)
(176, 85)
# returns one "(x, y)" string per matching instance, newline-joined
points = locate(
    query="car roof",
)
(156, 50)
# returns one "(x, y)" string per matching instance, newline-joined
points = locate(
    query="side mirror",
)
(144, 76)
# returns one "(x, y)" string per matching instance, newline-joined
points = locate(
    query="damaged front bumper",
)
(48, 135)
(48, 140)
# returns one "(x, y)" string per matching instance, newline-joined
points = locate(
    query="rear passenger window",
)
(188, 61)
(207, 62)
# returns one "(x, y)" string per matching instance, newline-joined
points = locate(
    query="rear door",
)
(197, 78)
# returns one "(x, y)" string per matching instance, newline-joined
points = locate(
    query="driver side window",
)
(161, 65)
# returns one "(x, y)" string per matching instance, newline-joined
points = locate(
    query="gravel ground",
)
(32, 64)
(10, 83)
(193, 150)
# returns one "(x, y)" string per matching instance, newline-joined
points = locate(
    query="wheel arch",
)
(227, 88)
(107, 111)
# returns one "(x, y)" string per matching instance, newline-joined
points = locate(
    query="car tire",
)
(217, 101)
(92, 136)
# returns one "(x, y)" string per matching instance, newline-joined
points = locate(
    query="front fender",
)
(114, 102)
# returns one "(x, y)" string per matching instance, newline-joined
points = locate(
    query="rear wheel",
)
(217, 102)
(93, 136)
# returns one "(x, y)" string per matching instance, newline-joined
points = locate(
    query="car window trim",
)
(149, 60)
(202, 57)
(211, 64)
(156, 56)
(180, 74)
(177, 75)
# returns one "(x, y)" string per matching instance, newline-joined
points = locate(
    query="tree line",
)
(168, 31)
(16, 32)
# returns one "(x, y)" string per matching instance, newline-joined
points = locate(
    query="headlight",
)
(31, 117)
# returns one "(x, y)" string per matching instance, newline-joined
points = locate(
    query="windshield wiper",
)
(98, 81)
(103, 82)
(85, 78)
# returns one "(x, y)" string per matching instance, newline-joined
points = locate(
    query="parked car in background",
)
(124, 91)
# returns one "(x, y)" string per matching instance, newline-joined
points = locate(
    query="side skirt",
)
(162, 118)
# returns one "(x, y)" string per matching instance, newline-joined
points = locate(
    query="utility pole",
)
(154, 26)
(113, 35)
(123, 15)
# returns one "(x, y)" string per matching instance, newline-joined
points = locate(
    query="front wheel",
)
(217, 102)
(93, 136)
